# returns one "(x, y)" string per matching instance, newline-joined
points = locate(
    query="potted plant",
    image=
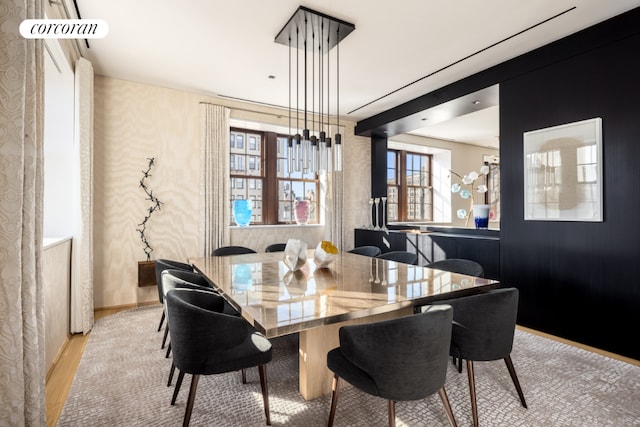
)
(146, 269)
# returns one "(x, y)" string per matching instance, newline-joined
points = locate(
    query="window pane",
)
(256, 208)
(391, 168)
(285, 205)
(282, 167)
(392, 203)
(240, 162)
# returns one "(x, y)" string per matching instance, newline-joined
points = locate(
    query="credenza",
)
(433, 243)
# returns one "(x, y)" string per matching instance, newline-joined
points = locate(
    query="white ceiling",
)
(227, 48)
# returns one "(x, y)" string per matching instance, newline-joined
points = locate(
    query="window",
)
(409, 186)
(59, 149)
(259, 171)
(243, 179)
(492, 196)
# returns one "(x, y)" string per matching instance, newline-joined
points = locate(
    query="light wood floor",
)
(61, 373)
(64, 368)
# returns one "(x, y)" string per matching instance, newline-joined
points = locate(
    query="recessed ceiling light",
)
(476, 102)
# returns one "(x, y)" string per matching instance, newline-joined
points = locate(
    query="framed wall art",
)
(563, 172)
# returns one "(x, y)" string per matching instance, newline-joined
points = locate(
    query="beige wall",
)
(136, 121)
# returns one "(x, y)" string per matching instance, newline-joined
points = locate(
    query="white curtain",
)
(81, 316)
(22, 370)
(214, 184)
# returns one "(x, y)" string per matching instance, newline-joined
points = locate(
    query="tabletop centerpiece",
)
(325, 254)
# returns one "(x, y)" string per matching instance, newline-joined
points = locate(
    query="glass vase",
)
(242, 212)
(481, 216)
(301, 211)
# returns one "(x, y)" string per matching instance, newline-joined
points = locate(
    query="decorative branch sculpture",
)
(155, 205)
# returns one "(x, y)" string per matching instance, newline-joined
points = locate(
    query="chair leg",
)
(244, 376)
(166, 356)
(166, 334)
(171, 372)
(192, 397)
(392, 413)
(447, 407)
(177, 389)
(472, 391)
(262, 369)
(459, 365)
(334, 399)
(514, 378)
(161, 321)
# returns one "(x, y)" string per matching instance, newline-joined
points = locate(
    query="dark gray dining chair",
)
(370, 251)
(232, 250)
(483, 329)
(398, 360)
(405, 257)
(208, 342)
(180, 279)
(276, 247)
(175, 278)
(161, 265)
(188, 279)
(460, 266)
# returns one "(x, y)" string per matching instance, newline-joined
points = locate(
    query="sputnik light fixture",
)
(312, 150)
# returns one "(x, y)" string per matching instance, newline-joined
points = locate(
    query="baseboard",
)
(127, 306)
(582, 346)
(56, 360)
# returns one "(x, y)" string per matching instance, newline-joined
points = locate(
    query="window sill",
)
(49, 242)
(264, 226)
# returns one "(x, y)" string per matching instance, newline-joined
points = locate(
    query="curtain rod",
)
(333, 123)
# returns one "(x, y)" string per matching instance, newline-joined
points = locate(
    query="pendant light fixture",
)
(314, 34)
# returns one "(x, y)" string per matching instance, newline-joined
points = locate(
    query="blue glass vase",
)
(481, 216)
(242, 212)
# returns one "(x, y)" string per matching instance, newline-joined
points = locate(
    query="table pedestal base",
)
(315, 377)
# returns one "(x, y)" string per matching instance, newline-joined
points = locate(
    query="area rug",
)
(121, 381)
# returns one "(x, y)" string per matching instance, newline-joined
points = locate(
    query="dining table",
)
(316, 302)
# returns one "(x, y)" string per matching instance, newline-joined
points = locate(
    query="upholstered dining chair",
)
(188, 279)
(172, 279)
(370, 251)
(399, 359)
(207, 342)
(181, 279)
(460, 266)
(483, 330)
(175, 278)
(232, 250)
(276, 247)
(400, 256)
(161, 265)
